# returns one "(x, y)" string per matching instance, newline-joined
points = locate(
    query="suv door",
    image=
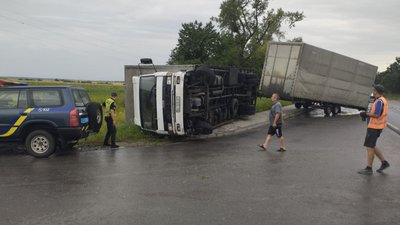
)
(13, 111)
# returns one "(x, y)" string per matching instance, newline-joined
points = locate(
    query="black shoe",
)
(105, 145)
(384, 165)
(114, 146)
(366, 171)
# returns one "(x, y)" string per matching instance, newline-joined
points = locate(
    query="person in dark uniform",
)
(110, 106)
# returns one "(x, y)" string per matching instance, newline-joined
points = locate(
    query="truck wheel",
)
(297, 105)
(205, 74)
(234, 107)
(245, 109)
(307, 104)
(40, 143)
(95, 113)
(328, 110)
(204, 127)
(335, 109)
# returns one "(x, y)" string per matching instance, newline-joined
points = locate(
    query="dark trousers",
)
(111, 130)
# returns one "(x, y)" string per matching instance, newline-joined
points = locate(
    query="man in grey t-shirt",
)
(275, 121)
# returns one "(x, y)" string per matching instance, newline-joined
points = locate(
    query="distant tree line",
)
(390, 78)
(237, 37)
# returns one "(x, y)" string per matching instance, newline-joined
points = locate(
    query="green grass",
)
(99, 92)
(264, 104)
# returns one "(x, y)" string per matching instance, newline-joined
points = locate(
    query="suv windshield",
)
(148, 102)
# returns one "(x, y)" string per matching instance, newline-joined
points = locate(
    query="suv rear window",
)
(46, 98)
(9, 99)
(81, 98)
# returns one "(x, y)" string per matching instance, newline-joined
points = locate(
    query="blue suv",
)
(46, 117)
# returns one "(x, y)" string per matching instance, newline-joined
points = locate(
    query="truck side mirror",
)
(146, 61)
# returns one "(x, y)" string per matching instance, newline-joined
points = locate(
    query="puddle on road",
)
(316, 112)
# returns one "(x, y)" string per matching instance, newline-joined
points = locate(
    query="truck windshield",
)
(148, 102)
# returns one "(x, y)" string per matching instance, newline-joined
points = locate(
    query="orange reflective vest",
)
(381, 121)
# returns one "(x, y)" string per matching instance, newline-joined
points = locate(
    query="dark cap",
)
(379, 88)
(114, 94)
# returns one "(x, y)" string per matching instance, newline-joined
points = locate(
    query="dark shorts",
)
(371, 137)
(277, 130)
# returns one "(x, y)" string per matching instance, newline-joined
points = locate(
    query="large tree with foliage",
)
(250, 25)
(245, 27)
(196, 44)
(391, 77)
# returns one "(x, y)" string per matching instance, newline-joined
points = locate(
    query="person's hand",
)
(114, 123)
(274, 125)
(363, 114)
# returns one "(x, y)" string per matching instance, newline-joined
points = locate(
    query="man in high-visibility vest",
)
(377, 121)
(110, 106)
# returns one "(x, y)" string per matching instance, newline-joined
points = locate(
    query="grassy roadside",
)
(393, 96)
(98, 92)
(264, 104)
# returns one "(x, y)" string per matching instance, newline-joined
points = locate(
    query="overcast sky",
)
(94, 39)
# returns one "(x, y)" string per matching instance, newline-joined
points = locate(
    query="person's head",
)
(275, 97)
(378, 90)
(114, 95)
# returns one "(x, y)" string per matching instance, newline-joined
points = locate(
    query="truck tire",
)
(328, 110)
(203, 127)
(335, 109)
(206, 75)
(234, 107)
(245, 109)
(307, 104)
(40, 143)
(95, 114)
(298, 105)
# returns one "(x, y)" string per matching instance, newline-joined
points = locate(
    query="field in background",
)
(99, 91)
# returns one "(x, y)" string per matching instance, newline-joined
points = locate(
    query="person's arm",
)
(276, 118)
(378, 110)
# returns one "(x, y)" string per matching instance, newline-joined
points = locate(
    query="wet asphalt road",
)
(215, 181)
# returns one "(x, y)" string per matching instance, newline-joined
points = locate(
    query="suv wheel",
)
(40, 143)
(95, 113)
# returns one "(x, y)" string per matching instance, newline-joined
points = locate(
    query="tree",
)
(197, 44)
(250, 25)
(390, 78)
(245, 27)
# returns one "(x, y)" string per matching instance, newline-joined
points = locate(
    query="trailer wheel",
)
(328, 110)
(297, 105)
(307, 104)
(336, 109)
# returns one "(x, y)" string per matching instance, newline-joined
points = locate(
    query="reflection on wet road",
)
(317, 112)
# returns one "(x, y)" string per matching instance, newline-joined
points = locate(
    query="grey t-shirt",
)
(276, 108)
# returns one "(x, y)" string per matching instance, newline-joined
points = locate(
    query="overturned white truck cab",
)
(194, 101)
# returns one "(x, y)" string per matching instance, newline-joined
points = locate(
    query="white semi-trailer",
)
(308, 75)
